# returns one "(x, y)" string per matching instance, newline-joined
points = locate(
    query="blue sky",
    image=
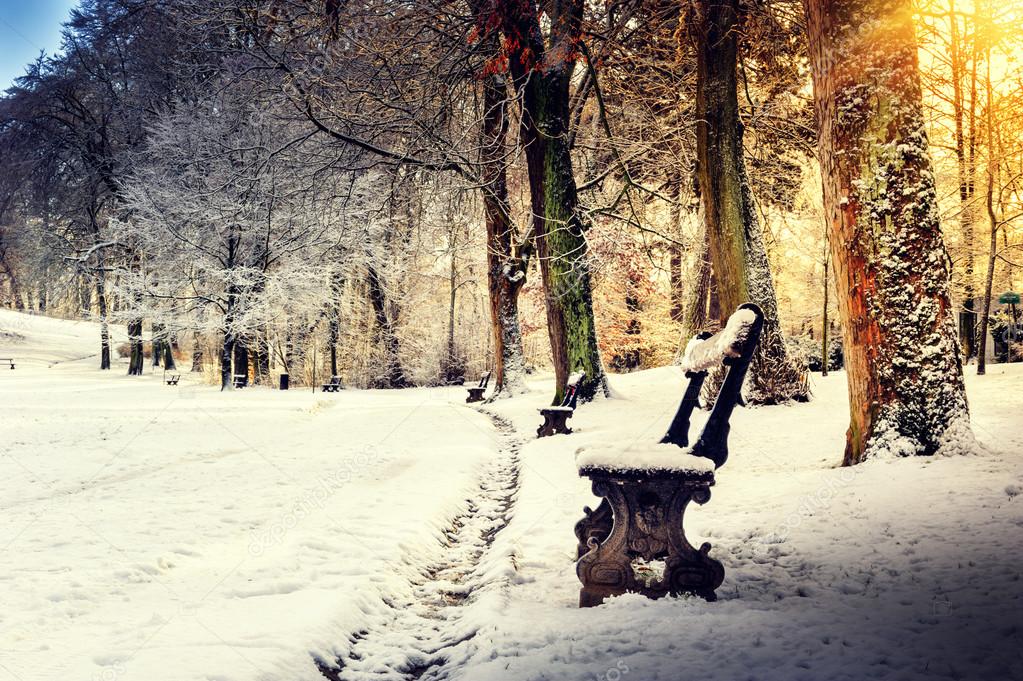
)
(26, 27)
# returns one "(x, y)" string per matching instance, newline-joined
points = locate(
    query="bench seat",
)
(642, 459)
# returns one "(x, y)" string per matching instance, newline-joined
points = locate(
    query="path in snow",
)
(421, 636)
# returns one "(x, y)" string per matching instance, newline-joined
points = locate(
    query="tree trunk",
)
(241, 359)
(506, 269)
(985, 311)
(333, 332)
(675, 249)
(968, 321)
(906, 392)
(168, 353)
(104, 329)
(394, 374)
(196, 353)
(825, 351)
(992, 171)
(736, 239)
(226, 354)
(157, 344)
(541, 77)
(137, 361)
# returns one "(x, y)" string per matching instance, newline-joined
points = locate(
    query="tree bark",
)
(904, 368)
(541, 76)
(736, 239)
(196, 353)
(137, 361)
(394, 374)
(506, 268)
(241, 359)
(104, 329)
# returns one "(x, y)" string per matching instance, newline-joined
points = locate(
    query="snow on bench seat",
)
(660, 458)
(704, 354)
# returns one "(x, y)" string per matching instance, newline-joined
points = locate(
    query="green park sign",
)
(1009, 298)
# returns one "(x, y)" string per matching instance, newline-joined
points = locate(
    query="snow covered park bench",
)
(9, 360)
(333, 385)
(635, 540)
(555, 418)
(173, 379)
(240, 380)
(476, 391)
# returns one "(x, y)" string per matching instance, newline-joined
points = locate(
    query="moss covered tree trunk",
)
(905, 376)
(736, 239)
(541, 73)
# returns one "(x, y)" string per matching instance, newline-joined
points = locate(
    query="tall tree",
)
(736, 238)
(906, 392)
(541, 68)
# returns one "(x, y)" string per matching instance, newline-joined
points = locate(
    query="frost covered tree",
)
(227, 221)
(906, 389)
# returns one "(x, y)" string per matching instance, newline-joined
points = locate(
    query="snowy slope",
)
(160, 533)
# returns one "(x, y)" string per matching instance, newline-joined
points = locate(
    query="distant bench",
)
(173, 379)
(240, 380)
(333, 385)
(8, 360)
(555, 419)
(476, 391)
(635, 540)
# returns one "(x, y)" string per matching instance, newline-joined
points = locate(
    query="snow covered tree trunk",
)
(230, 337)
(226, 354)
(506, 270)
(736, 239)
(104, 328)
(906, 391)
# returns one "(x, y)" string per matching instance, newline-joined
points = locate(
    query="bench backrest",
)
(733, 348)
(572, 389)
(484, 379)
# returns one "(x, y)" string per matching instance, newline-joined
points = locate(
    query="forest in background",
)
(412, 193)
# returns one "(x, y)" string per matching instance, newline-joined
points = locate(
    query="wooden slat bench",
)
(9, 360)
(173, 379)
(333, 385)
(240, 381)
(635, 540)
(555, 419)
(476, 391)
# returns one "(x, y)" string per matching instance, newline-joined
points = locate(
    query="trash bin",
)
(284, 381)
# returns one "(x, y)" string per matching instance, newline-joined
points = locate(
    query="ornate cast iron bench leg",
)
(555, 421)
(475, 395)
(647, 526)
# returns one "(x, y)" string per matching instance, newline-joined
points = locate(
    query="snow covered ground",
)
(157, 533)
